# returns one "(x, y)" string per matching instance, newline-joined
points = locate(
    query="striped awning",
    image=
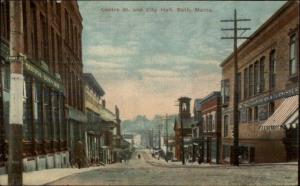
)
(285, 116)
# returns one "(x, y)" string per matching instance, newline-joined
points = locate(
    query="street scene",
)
(149, 92)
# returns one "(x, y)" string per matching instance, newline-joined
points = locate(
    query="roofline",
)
(212, 94)
(260, 29)
(91, 77)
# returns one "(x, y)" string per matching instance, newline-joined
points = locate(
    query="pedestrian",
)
(79, 154)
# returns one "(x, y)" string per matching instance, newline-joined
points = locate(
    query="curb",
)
(69, 176)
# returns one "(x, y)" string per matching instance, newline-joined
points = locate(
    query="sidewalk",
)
(43, 177)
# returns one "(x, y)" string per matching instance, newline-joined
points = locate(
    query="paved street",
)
(146, 171)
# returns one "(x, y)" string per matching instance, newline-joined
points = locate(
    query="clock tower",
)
(184, 107)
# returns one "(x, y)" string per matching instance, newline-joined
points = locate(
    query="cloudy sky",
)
(146, 60)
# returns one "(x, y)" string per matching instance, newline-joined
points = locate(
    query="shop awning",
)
(76, 115)
(285, 116)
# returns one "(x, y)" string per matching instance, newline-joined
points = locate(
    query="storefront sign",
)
(43, 76)
(268, 98)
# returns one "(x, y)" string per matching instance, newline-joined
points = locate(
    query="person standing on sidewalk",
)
(79, 154)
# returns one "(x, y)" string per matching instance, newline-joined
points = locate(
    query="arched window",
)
(262, 74)
(272, 69)
(293, 63)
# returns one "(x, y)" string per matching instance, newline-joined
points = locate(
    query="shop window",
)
(293, 54)
(272, 75)
(255, 113)
(6, 77)
(48, 114)
(63, 124)
(246, 83)
(225, 91)
(262, 75)
(226, 123)
(28, 111)
(38, 110)
(55, 98)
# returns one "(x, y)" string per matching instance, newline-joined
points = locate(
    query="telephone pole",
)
(182, 142)
(235, 30)
(15, 164)
(166, 135)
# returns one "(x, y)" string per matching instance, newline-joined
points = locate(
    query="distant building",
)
(267, 89)
(93, 132)
(211, 127)
(183, 136)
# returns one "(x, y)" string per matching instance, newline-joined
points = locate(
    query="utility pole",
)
(298, 56)
(235, 29)
(166, 135)
(15, 151)
(159, 142)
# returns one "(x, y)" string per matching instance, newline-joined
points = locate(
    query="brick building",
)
(267, 82)
(210, 129)
(53, 89)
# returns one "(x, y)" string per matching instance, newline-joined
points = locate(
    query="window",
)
(44, 39)
(251, 81)
(34, 33)
(249, 114)
(28, 111)
(272, 70)
(239, 86)
(63, 124)
(210, 123)
(6, 77)
(55, 98)
(293, 61)
(66, 26)
(226, 122)
(48, 114)
(255, 113)
(246, 83)
(225, 91)
(256, 77)
(271, 108)
(262, 75)
(38, 110)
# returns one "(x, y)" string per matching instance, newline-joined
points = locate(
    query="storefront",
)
(44, 124)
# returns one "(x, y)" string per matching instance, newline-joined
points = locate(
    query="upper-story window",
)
(272, 69)
(251, 81)
(293, 55)
(239, 86)
(226, 122)
(262, 74)
(256, 77)
(225, 91)
(246, 83)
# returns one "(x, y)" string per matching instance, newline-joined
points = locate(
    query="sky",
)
(146, 60)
